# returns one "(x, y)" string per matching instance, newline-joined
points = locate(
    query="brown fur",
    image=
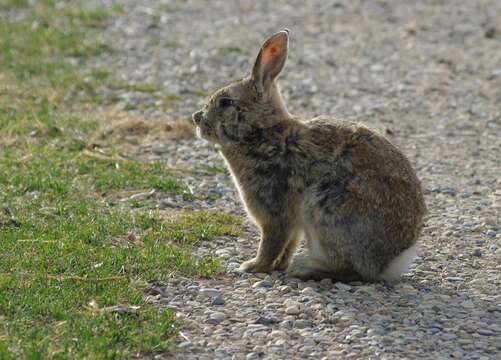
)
(353, 193)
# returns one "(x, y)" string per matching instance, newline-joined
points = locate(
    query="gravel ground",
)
(428, 75)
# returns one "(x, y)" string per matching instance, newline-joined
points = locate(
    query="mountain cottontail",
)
(351, 192)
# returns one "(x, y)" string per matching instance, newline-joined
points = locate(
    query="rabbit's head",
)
(241, 110)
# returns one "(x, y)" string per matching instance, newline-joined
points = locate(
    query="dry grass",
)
(120, 128)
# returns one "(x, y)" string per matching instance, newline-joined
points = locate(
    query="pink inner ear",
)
(271, 54)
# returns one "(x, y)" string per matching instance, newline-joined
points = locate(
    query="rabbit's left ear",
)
(271, 58)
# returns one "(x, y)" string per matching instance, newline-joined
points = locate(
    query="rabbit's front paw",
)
(254, 266)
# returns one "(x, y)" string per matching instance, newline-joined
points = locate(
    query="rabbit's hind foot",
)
(307, 268)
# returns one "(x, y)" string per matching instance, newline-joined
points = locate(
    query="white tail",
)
(400, 264)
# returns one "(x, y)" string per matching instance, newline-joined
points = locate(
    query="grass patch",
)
(73, 265)
(13, 4)
(171, 98)
(200, 93)
(143, 88)
(199, 226)
(231, 49)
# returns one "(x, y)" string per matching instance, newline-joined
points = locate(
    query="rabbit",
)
(347, 189)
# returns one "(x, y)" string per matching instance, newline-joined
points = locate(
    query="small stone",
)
(308, 290)
(287, 324)
(376, 331)
(216, 317)
(277, 334)
(477, 252)
(232, 266)
(454, 278)
(490, 33)
(284, 289)
(341, 286)
(262, 284)
(491, 233)
(376, 67)
(302, 285)
(184, 344)
(293, 307)
(280, 342)
(209, 292)
(218, 300)
(485, 332)
(263, 320)
(445, 190)
(468, 304)
(326, 283)
(302, 324)
(256, 327)
(495, 327)
(252, 356)
(222, 253)
(167, 203)
(292, 310)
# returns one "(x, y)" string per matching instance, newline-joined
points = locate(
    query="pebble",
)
(486, 332)
(292, 310)
(326, 283)
(301, 324)
(293, 307)
(266, 320)
(218, 300)
(277, 334)
(217, 317)
(284, 289)
(262, 284)
(308, 290)
(491, 233)
(342, 286)
(209, 292)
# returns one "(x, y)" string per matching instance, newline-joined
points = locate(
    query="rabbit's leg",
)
(274, 239)
(313, 264)
(285, 258)
(320, 261)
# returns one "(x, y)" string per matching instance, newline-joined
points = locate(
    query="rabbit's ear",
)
(271, 58)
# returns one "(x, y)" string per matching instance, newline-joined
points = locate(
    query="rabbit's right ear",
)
(271, 58)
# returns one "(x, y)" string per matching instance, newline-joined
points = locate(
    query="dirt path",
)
(428, 75)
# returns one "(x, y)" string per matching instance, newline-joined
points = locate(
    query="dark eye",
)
(225, 102)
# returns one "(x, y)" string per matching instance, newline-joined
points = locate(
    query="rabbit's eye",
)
(225, 102)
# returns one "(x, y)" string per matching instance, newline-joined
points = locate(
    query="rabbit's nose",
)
(197, 117)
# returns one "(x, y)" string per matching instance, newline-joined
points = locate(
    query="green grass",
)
(74, 263)
(36, 49)
(199, 226)
(231, 49)
(10, 4)
(200, 93)
(144, 88)
(172, 98)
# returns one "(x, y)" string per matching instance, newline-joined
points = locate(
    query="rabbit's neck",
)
(268, 144)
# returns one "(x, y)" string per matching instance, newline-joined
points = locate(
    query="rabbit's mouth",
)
(198, 131)
(198, 120)
(205, 131)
